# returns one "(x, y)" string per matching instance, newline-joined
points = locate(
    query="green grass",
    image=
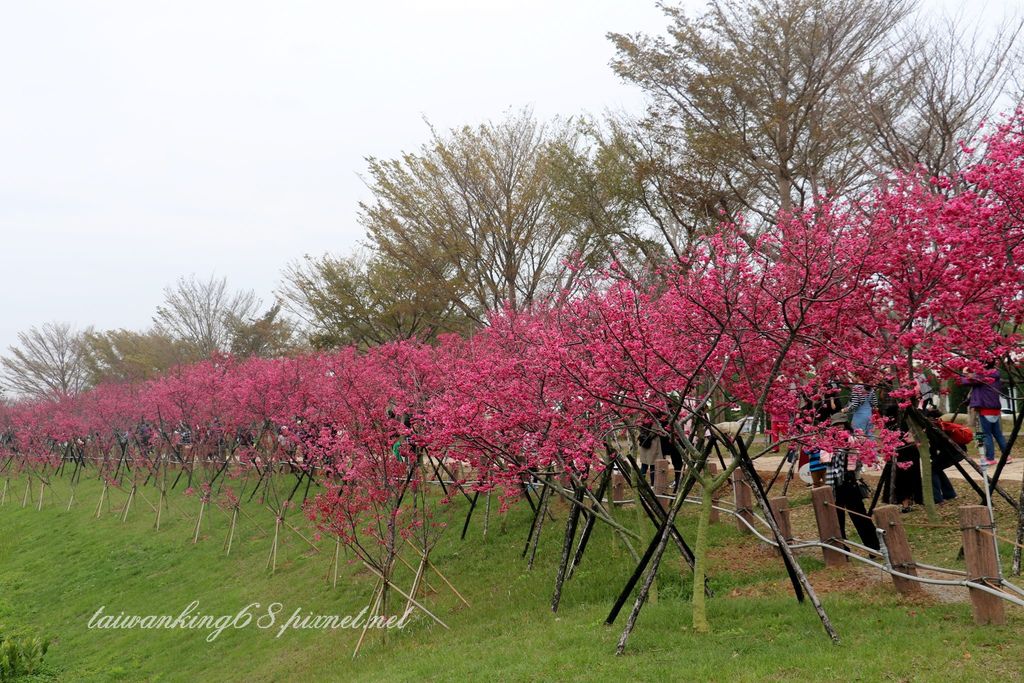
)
(58, 567)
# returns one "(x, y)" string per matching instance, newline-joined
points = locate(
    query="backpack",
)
(959, 434)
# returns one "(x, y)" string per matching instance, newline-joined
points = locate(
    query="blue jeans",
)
(992, 428)
(861, 419)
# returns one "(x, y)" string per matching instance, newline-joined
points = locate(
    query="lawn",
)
(57, 567)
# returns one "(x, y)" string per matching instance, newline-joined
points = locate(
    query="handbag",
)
(864, 489)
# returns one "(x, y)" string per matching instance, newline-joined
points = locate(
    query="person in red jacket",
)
(944, 454)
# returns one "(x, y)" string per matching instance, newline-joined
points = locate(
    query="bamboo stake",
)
(41, 485)
(147, 501)
(128, 504)
(231, 531)
(71, 500)
(448, 583)
(487, 513)
(103, 494)
(159, 509)
(297, 532)
(405, 595)
(28, 492)
(378, 591)
(3, 496)
(337, 552)
(199, 521)
(272, 560)
(443, 578)
(253, 520)
(416, 582)
(409, 567)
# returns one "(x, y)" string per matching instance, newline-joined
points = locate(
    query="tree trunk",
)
(1020, 532)
(699, 600)
(924, 450)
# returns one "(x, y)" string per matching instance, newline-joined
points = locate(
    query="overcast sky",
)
(144, 140)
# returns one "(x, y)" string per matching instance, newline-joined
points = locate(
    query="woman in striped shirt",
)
(863, 402)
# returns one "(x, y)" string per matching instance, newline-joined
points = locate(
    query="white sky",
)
(143, 140)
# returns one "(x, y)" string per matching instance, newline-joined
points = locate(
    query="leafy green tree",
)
(365, 299)
(129, 356)
(267, 335)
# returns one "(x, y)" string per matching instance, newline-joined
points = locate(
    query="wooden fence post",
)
(780, 511)
(618, 488)
(743, 498)
(827, 517)
(887, 518)
(661, 481)
(980, 555)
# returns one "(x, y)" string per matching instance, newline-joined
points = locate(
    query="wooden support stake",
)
(744, 500)
(888, 519)
(780, 511)
(3, 496)
(40, 506)
(828, 525)
(982, 566)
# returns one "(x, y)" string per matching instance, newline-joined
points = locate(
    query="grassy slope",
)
(57, 568)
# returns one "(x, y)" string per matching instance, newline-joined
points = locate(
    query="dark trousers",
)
(848, 496)
(942, 488)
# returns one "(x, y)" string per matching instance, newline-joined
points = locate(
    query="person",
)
(986, 402)
(821, 412)
(649, 449)
(781, 424)
(905, 480)
(925, 389)
(863, 403)
(942, 448)
(843, 476)
(817, 466)
(669, 449)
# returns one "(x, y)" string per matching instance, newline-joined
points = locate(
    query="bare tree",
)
(204, 313)
(948, 82)
(638, 197)
(47, 363)
(760, 93)
(471, 213)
